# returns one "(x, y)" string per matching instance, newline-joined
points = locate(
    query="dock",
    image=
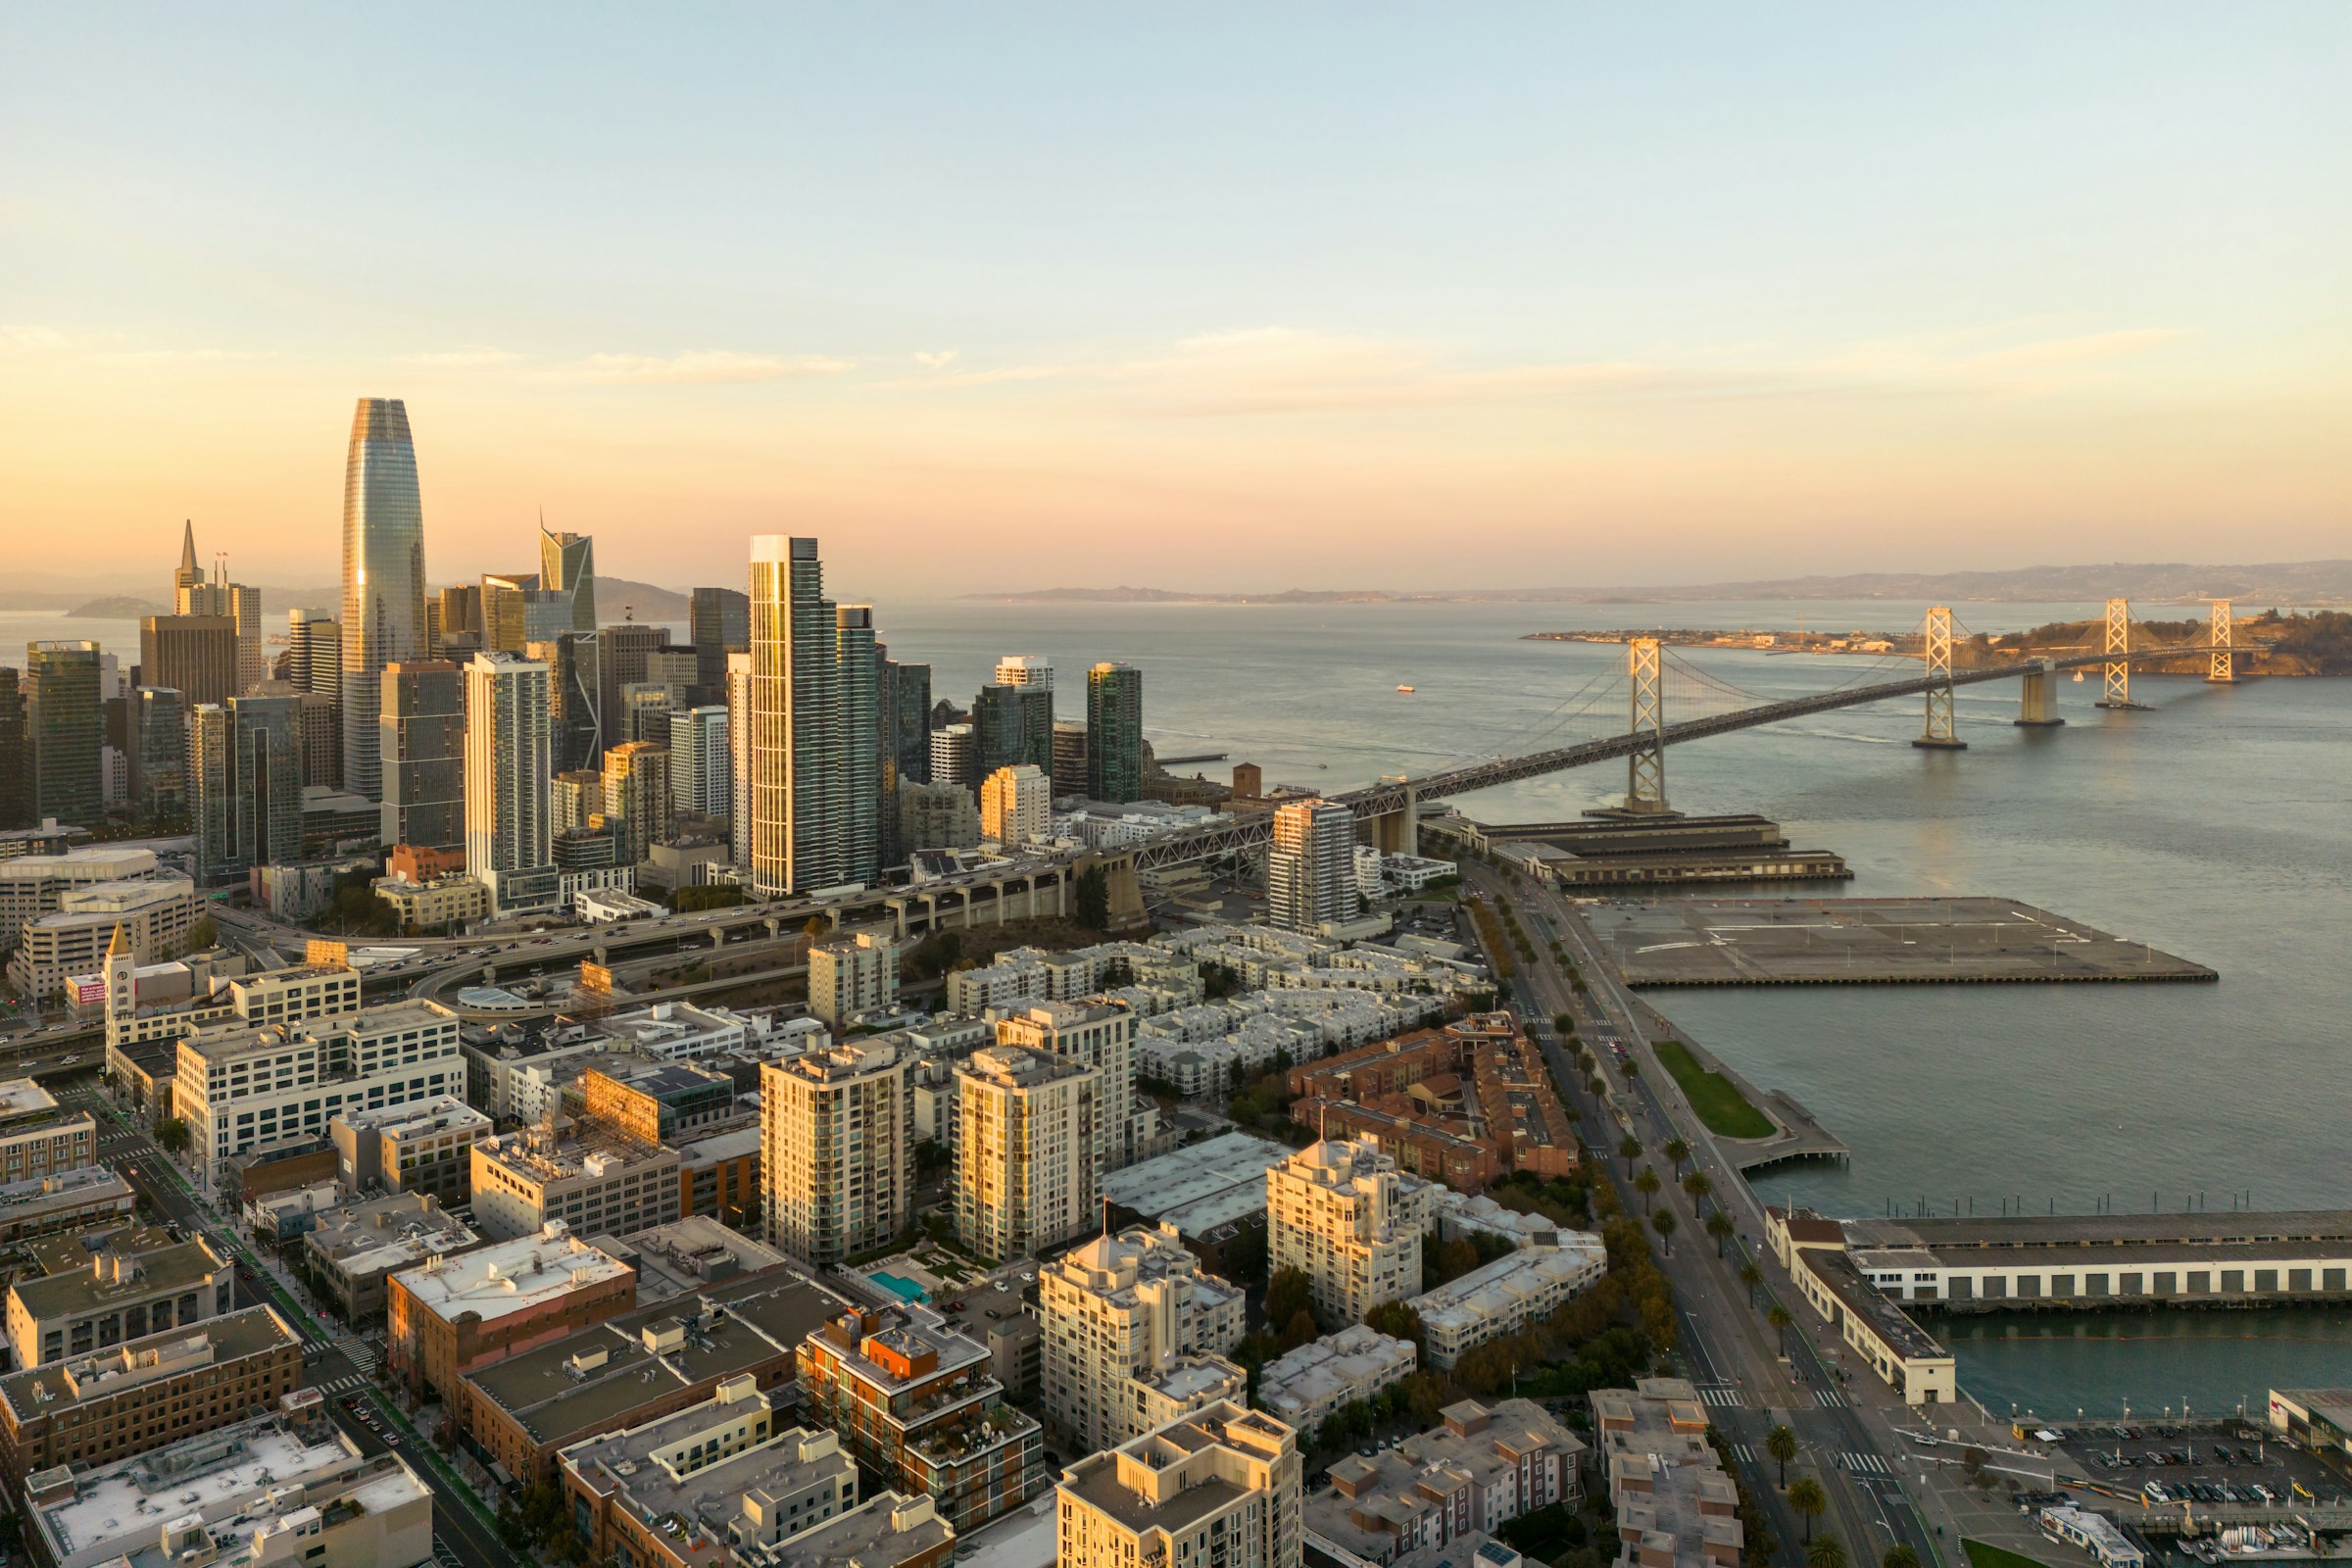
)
(1797, 1134)
(1924, 941)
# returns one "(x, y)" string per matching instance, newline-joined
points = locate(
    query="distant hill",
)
(2295, 582)
(119, 607)
(640, 601)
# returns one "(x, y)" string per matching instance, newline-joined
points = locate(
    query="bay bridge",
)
(1386, 812)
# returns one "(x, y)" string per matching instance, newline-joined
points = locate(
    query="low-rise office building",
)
(652, 1101)
(1485, 1467)
(454, 1315)
(426, 1147)
(37, 1137)
(1135, 1334)
(95, 1409)
(636, 1367)
(449, 903)
(353, 1249)
(73, 1199)
(114, 1296)
(1222, 1480)
(156, 920)
(1308, 1386)
(914, 1399)
(594, 1185)
(272, 1491)
(688, 1488)
(34, 885)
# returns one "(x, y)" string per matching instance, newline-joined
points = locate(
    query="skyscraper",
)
(909, 720)
(572, 662)
(718, 622)
(1012, 725)
(1115, 732)
(421, 747)
(195, 655)
(836, 1138)
(702, 774)
(247, 788)
(1017, 807)
(65, 710)
(16, 754)
(638, 808)
(159, 753)
(567, 564)
(509, 817)
(241, 605)
(383, 576)
(953, 757)
(314, 652)
(623, 652)
(1025, 669)
(739, 759)
(793, 729)
(1069, 756)
(861, 729)
(1310, 869)
(190, 574)
(1025, 1150)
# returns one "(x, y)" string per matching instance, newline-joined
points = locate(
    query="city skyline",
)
(1894, 292)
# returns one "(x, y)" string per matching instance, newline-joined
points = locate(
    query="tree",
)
(1564, 1023)
(1629, 1148)
(1720, 1226)
(1777, 1316)
(815, 927)
(1677, 1151)
(1899, 1555)
(1781, 1443)
(1971, 1464)
(1698, 1187)
(1093, 895)
(203, 934)
(1398, 1321)
(1663, 1222)
(172, 1134)
(1646, 1184)
(1826, 1553)
(1287, 1296)
(1751, 1276)
(1809, 1501)
(1299, 1330)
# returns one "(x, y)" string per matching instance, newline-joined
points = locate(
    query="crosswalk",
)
(345, 1385)
(359, 1352)
(1864, 1464)
(1722, 1396)
(1744, 1454)
(1829, 1396)
(443, 1556)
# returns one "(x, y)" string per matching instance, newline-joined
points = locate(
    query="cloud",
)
(935, 361)
(2064, 351)
(474, 359)
(710, 368)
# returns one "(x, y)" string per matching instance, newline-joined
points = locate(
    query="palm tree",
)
(1781, 1443)
(1809, 1501)
(1698, 1187)
(1677, 1151)
(1751, 1276)
(1720, 1226)
(1899, 1555)
(1777, 1316)
(1663, 1223)
(1628, 1149)
(1826, 1553)
(1647, 1185)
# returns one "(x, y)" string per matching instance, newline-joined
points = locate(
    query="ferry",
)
(1407, 690)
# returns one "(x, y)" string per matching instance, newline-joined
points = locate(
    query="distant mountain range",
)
(2301, 583)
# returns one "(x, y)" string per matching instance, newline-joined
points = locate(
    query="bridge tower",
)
(1646, 764)
(2224, 638)
(1938, 734)
(2118, 670)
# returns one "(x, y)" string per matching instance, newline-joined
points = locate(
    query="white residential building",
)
(1310, 867)
(680, 1031)
(1340, 1214)
(509, 824)
(836, 1150)
(853, 975)
(1498, 1298)
(1222, 1474)
(701, 768)
(1102, 1038)
(1304, 1386)
(237, 1085)
(1024, 1140)
(1017, 806)
(1134, 1336)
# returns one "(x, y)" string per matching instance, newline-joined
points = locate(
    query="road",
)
(1729, 1351)
(337, 1363)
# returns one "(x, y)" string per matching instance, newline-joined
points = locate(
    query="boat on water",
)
(2077, 677)
(1407, 690)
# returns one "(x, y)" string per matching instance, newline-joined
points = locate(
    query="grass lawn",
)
(1981, 1555)
(1724, 1108)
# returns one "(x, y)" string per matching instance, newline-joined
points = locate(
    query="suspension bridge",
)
(1386, 812)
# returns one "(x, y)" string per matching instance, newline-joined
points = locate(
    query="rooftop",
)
(1950, 1236)
(1103, 1480)
(449, 1113)
(381, 1234)
(85, 1184)
(532, 1156)
(22, 1097)
(114, 1276)
(887, 1528)
(210, 1342)
(791, 1462)
(1372, 1497)
(511, 1276)
(1498, 1287)
(688, 1254)
(1200, 1187)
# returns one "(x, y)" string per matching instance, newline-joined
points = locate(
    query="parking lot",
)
(2171, 1465)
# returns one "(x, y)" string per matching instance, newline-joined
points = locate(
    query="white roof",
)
(511, 1276)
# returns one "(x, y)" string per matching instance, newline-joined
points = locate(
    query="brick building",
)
(455, 1315)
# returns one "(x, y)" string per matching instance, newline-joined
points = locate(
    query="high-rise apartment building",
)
(1338, 1213)
(621, 653)
(1069, 756)
(798, 801)
(314, 652)
(739, 759)
(66, 714)
(246, 794)
(461, 614)
(836, 1148)
(383, 577)
(1025, 1151)
(909, 720)
(1221, 1484)
(1017, 807)
(936, 816)
(954, 760)
(195, 655)
(16, 754)
(1310, 867)
(851, 975)
(638, 807)
(575, 799)
(701, 771)
(159, 753)
(1115, 732)
(861, 742)
(718, 622)
(1102, 1036)
(571, 659)
(568, 566)
(1135, 1334)
(1025, 669)
(509, 833)
(422, 754)
(1012, 725)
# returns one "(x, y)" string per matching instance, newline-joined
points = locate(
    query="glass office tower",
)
(383, 577)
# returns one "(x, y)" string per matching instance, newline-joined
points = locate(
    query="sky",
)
(1208, 297)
